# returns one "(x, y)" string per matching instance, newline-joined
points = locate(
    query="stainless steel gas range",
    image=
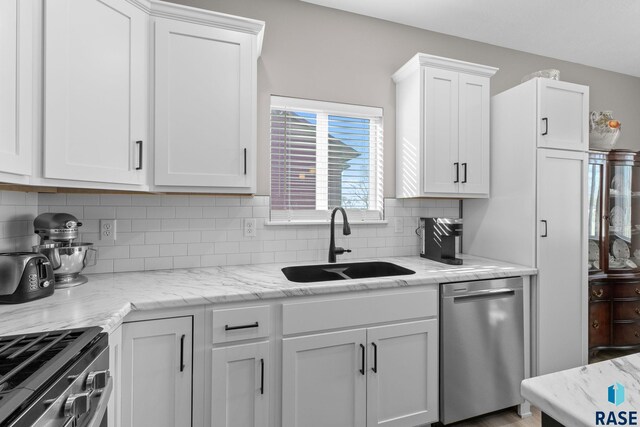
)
(57, 378)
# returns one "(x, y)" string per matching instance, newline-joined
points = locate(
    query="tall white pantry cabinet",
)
(537, 214)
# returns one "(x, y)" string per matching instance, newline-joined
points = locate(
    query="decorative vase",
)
(604, 130)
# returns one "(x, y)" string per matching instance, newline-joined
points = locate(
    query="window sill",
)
(270, 223)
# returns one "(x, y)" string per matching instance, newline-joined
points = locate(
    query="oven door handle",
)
(100, 406)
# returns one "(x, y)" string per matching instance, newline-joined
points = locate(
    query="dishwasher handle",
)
(486, 293)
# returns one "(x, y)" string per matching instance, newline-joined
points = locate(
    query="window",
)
(325, 155)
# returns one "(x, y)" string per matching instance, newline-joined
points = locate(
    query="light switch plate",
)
(397, 225)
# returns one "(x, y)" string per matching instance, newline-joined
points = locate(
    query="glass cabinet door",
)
(595, 178)
(624, 229)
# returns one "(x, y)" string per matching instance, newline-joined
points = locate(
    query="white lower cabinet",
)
(402, 380)
(368, 360)
(157, 373)
(239, 386)
(324, 380)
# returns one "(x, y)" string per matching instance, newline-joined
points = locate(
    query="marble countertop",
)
(573, 396)
(108, 298)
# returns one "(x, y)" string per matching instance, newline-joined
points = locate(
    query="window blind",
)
(325, 155)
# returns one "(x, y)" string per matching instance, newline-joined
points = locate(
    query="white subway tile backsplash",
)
(131, 212)
(214, 236)
(186, 262)
(157, 237)
(227, 247)
(240, 211)
(163, 263)
(186, 231)
(144, 251)
(175, 200)
(202, 201)
(113, 252)
(175, 224)
(215, 212)
(213, 260)
(200, 248)
(146, 225)
(179, 249)
(83, 199)
(132, 264)
(115, 199)
(228, 201)
(161, 212)
(187, 236)
(146, 200)
(188, 212)
(94, 212)
(238, 259)
(202, 224)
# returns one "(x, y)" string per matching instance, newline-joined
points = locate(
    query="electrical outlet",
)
(250, 227)
(397, 225)
(107, 229)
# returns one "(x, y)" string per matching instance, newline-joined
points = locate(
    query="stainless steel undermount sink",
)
(343, 271)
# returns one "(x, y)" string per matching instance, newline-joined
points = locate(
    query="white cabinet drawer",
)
(240, 323)
(349, 312)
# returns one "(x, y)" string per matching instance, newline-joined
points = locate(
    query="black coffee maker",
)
(439, 239)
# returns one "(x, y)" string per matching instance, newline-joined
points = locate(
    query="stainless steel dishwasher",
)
(481, 347)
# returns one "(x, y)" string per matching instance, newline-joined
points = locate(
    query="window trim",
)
(376, 170)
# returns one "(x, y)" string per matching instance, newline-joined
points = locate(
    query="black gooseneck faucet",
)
(346, 230)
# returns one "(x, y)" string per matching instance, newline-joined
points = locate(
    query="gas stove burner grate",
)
(22, 355)
(31, 363)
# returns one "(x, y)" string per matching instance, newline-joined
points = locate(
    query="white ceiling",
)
(600, 33)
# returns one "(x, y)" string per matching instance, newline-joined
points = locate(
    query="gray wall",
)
(321, 53)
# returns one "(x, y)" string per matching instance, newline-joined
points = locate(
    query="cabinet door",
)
(240, 390)
(563, 112)
(323, 380)
(16, 81)
(156, 373)
(402, 374)
(441, 172)
(473, 141)
(95, 90)
(204, 97)
(561, 260)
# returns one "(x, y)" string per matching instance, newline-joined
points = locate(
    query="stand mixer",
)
(58, 234)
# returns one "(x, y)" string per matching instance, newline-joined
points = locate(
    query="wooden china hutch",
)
(614, 250)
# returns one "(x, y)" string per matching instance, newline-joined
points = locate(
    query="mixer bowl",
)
(68, 261)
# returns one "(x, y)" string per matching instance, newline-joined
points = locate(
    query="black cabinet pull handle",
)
(375, 358)
(362, 364)
(464, 165)
(544, 221)
(546, 126)
(233, 328)
(139, 167)
(182, 353)
(457, 165)
(261, 376)
(245, 161)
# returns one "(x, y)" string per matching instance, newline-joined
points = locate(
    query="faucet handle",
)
(340, 251)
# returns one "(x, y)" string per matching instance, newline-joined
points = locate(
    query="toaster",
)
(24, 276)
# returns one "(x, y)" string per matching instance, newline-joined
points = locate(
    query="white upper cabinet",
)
(95, 90)
(16, 84)
(205, 103)
(563, 112)
(442, 128)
